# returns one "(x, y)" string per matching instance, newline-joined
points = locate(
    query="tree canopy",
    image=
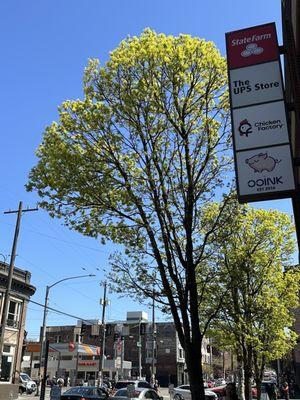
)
(256, 317)
(138, 159)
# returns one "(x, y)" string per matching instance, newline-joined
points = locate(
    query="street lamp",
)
(43, 332)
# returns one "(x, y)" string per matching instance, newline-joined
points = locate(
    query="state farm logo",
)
(252, 49)
(245, 128)
(251, 39)
(262, 162)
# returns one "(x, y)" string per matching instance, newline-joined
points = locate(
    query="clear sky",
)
(45, 46)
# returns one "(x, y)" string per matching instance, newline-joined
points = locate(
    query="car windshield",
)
(123, 393)
(25, 377)
(121, 385)
(80, 390)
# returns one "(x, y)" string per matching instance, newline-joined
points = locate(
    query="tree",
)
(136, 161)
(256, 315)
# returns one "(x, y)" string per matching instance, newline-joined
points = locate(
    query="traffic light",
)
(83, 329)
(142, 328)
(116, 337)
(107, 330)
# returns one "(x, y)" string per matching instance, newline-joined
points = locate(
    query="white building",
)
(76, 361)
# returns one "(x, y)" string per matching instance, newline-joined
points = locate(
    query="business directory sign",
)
(263, 159)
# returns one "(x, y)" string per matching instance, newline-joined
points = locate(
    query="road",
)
(162, 392)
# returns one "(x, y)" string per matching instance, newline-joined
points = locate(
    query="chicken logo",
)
(245, 128)
(252, 48)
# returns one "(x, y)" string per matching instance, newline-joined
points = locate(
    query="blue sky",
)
(45, 46)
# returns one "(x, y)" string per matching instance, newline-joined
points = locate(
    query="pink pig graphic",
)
(262, 162)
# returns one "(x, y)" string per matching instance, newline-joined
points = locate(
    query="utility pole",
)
(102, 349)
(122, 355)
(153, 339)
(43, 386)
(43, 338)
(10, 274)
(43, 330)
(140, 350)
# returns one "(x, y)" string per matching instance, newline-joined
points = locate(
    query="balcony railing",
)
(12, 323)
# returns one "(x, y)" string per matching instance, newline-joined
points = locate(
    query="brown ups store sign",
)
(262, 152)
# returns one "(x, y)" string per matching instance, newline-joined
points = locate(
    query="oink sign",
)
(262, 151)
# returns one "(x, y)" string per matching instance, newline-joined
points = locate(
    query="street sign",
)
(118, 362)
(260, 126)
(252, 46)
(263, 159)
(256, 84)
(264, 170)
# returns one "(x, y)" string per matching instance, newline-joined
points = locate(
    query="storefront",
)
(79, 362)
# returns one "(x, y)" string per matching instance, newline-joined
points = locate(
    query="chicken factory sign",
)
(263, 160)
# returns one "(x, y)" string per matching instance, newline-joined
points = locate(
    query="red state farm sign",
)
(252, 46)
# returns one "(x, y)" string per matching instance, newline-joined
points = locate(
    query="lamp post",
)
(43, 332)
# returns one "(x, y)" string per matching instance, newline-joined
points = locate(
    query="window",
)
(77, 338)
(80, 375)
(13, 314)
(87, 357)
(180, 353)
(7, 363)
(58, 339)
(185, 387)
(144, 385)
(66, 358)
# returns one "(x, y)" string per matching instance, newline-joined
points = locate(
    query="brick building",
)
(122, 342)
(14, 331)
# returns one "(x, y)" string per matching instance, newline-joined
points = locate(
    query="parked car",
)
(220, 382)
(137, 383)
(85, 392)
(138, 393)
(220, 391)
(183, 392)
(26, 385)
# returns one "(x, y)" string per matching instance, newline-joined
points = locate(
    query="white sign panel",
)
(265, 170)
(260, 126)
(256, 84)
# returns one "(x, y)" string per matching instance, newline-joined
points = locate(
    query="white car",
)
(183, 392)
(137, 393)
(26, 385)
(137, 383)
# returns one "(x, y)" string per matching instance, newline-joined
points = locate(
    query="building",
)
(77, 361)
(125, 340)
(291, 49)
(21, 292)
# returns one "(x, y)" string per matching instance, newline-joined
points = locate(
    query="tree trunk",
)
(193, 357)
(248, 376)
(240, 380)
(258, 372)
(258, 387)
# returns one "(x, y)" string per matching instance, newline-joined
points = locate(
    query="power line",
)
(54, 277)
(61, 312)
(60, 240)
